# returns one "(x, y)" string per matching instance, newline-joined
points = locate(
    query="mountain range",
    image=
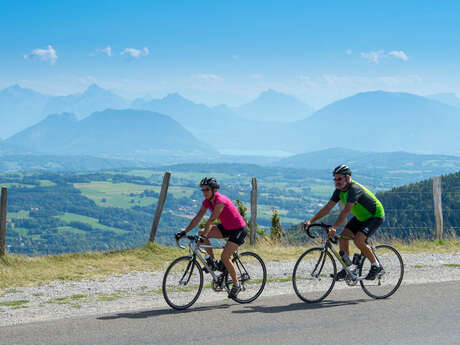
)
(381, 121)
(369, 121)
(272, 106)
(21, 108)
(113, 133)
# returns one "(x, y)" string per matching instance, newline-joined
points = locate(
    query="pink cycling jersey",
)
(229, 217)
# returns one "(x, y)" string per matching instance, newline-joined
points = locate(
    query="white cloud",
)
(257, 76)
(206, 77)
(46, 55)
(373, 56)
(136, 53)
(399, 54)
(235, 57)
(107, 51)
(376, 56)
(348, 52)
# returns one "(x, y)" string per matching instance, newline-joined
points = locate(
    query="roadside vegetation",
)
(18, 271)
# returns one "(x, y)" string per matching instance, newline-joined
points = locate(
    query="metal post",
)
(253, 220)
(3, 221)
(161, 203)
(437, 207)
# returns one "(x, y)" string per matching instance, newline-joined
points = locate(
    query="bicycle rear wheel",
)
(251, 274)
(389, 280)
(313, 275)
(182, 282)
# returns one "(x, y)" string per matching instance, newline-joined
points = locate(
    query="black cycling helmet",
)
(342, 169)
(209, 181)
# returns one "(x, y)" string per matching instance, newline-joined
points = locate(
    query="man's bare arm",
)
(324, 211)
(343, 215)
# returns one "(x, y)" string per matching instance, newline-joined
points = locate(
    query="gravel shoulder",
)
(142, 290)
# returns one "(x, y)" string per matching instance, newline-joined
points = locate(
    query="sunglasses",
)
(205, 189)
(339, 179)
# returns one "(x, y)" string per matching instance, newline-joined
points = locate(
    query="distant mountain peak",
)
(274, 106)
(273, 93)
(95, 89)
(175, 96)
(15, 87)
(18, 89)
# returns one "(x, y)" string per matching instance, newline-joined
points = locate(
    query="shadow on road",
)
(297, 306)
(159, 312)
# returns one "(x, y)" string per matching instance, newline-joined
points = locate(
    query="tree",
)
(276, 230)
(242, 210)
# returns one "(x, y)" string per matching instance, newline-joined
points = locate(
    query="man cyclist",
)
(368, 215)
(232, 226)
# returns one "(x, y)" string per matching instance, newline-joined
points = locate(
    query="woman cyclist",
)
(232, 226)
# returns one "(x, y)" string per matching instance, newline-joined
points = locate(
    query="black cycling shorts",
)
(368, 227)
(236, 236)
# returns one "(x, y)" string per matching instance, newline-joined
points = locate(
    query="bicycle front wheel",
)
(251, 274)
(182, 282)
(389, 280)
(313, 275)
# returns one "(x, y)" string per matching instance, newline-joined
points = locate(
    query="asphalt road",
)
(416, 314)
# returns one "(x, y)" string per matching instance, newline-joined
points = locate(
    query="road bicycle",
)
(315, 272)
(183, 280)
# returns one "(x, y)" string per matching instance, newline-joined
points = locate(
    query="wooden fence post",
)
(161, 203)
(253, 220)
(3, 221)
(437, 207)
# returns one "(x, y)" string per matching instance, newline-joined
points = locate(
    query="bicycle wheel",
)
(389, 279)
(313, 275)
(182, 282)
(251, 274)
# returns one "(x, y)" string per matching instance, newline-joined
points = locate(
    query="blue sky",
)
(216, 52)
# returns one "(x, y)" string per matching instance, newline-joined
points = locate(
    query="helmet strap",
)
(213, 194)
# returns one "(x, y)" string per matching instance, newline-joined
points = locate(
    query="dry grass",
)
(20, 271)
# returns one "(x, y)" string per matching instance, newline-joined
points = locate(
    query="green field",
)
(70, 217)
(125, 195)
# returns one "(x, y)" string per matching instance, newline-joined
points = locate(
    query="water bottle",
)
(345, 258)
(210, 261)
(356, 258)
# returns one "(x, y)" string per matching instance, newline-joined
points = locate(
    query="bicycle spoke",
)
(389, 280)
(252, 276)
(182, 283)
(313, 275)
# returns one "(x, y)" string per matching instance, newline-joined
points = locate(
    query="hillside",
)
(409, 209)
(362, 161)
(118, 133)
(380, 121)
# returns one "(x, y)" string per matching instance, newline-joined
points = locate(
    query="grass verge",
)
(20, 271)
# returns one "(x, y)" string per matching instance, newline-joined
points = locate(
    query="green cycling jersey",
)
(366, 205)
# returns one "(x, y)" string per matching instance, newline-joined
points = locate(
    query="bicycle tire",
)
(386, 264)
(248, 284)
(299, 274)
(168, 294)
